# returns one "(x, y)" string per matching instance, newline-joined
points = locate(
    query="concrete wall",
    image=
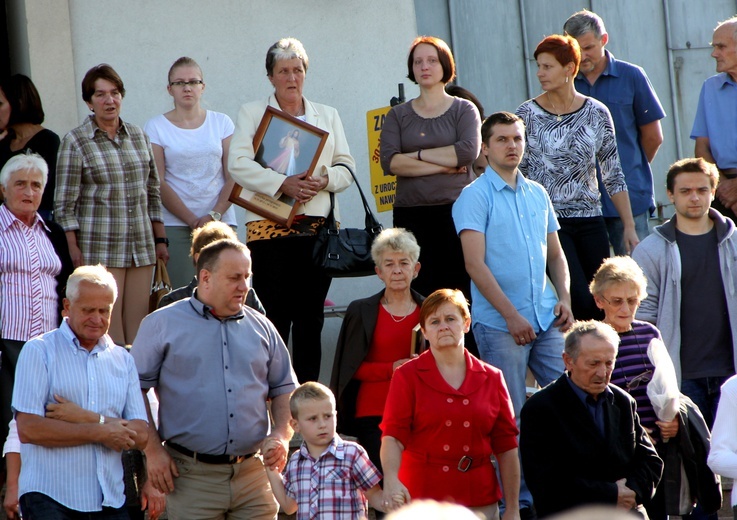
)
(357, 55)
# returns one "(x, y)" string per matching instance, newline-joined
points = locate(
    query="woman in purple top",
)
(430, 143)
(618, 288)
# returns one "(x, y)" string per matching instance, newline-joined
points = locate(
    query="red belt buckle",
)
(465, 463)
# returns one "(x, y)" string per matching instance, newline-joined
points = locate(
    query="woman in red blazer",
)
(447, 414)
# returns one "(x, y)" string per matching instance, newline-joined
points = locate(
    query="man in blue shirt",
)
(509, 236)
(715, 125)
(72, 465)
(626, 91)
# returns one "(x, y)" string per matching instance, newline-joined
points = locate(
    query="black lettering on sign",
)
(379, 122)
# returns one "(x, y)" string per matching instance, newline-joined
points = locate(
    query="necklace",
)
(394, 319)
(555, 109)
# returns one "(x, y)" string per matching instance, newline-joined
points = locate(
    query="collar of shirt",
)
(103, 343)
(336, 448)
(583, 395)
(725, 79)
(7, 219)
(499, 184)
(205, 310)
(92, 127)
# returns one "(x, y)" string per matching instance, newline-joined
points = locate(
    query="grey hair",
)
(398, 240)
(24, 161)
(599, 329)
(729, 21)
(285, 49)
(585, 21)
(93, 274)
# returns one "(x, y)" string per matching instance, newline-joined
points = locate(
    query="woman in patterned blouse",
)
(107, 199)
(567, 134)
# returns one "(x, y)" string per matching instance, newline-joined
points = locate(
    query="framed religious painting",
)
(288, 146)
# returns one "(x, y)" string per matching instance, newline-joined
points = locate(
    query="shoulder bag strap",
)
(372, 224)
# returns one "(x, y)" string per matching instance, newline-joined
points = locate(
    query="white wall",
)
(357, 56)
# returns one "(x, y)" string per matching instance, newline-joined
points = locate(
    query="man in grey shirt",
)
(214, 364)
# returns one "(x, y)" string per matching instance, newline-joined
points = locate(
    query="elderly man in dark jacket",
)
(581, 440)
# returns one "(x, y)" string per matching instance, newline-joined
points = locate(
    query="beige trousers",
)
(134, 288)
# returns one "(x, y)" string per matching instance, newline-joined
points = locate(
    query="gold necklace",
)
(409, 310)
(555, 109)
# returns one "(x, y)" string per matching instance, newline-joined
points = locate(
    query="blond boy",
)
(327, 477)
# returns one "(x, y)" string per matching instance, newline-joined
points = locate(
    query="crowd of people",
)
(497, 270)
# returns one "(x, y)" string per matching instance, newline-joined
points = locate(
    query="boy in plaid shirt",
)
(327, 477)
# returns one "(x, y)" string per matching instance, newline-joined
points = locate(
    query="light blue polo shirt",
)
(716, 118)
(631, 99)
(516, 224)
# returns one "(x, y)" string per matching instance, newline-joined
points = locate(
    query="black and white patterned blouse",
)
(562, 153)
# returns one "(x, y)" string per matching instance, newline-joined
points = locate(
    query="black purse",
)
(346, 252)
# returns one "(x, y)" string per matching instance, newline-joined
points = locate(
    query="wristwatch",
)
(161, 240)
(215, 215)
(102, 419)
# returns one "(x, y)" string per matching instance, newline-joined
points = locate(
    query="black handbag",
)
(346, 252)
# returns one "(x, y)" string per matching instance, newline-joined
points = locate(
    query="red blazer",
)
(441, 427)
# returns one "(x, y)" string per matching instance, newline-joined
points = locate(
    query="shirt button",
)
(446, 469)
(446, 447)
(466, 449)
(231, 415)
(229, 390)
(450, 399)
(466, 401)
(231, 441)
(448, 422)
(466, 424)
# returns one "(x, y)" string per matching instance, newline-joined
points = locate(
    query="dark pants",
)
(705, 393)
(293, 291)
(441, 254)
(586, 244)
(37, 506)
(368, 433)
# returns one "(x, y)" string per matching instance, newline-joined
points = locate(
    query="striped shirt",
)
(332, 486)
(108, 191)
(28, 267)
(104, 381)
(633, 361)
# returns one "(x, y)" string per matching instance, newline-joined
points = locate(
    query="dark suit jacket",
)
(566, 461)
(354, 342)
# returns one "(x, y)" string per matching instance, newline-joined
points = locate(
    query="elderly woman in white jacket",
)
(293, 288)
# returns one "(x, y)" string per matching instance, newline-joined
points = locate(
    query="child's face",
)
(316, 422)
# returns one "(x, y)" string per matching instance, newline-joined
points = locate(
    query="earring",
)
(566, 79)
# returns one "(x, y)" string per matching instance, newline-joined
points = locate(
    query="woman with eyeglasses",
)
(618, 287)
(107, 199)
(190, 147)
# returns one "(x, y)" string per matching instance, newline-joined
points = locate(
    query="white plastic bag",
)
(663, 387)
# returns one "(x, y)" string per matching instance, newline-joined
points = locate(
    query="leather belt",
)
(463, 464)
(209, 459)
(729, 173)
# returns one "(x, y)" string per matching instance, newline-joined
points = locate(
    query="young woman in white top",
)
(190, 147)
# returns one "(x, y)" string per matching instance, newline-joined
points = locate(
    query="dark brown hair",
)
(25, 103)
(101, 71)
(691, 165)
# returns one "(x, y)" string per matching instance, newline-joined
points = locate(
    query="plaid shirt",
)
(108, 191)
(332, 486)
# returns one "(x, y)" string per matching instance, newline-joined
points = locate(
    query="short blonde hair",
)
(309, 391)
(619, 270)
(209, 233)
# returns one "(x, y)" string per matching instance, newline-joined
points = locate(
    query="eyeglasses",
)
(618, 302)
(636, 381)
(190, 83)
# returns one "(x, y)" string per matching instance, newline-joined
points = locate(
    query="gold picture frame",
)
(288, 146)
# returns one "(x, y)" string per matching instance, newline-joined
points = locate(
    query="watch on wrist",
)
(102, 419)
(160, 240)
(215, 215)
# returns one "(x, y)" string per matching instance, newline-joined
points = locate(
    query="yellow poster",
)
(382, 186)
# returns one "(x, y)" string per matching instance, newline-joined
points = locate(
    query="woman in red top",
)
(447, 413)
(375, 339)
